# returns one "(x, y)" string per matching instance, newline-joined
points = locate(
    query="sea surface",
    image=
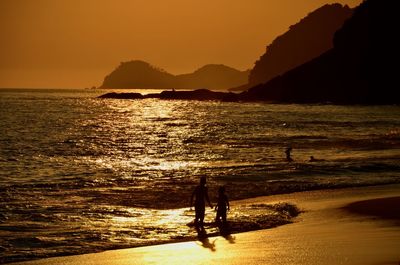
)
(80, 174)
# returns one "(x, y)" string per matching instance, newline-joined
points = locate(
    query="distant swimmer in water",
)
(287, 152)
(200, 195)
(312, 159)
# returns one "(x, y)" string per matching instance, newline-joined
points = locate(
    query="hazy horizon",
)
(73, 44)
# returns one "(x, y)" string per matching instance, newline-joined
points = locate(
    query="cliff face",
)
(307, 39)
(141, 75)
(357, 70)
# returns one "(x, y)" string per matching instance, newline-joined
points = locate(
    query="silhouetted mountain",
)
(213, 76)
(358, 70)
(309, 38)
(141, 75)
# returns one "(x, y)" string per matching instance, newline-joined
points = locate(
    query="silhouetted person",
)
(222, 206)
(287, 152)
(200, 194)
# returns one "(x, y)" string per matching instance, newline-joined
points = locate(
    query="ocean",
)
(80, 174)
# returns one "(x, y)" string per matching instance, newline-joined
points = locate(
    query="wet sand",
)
(346, 226)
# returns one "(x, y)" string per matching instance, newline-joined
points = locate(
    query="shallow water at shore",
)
(73, 166)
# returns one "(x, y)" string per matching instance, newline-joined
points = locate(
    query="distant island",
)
(356, 70)
(142, 75)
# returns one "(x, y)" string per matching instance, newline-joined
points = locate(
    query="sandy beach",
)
(345, 226)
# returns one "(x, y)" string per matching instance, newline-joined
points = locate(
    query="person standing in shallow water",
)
(222, 206)
(200, 194)
(287, 152)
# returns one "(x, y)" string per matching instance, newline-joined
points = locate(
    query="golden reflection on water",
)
(169, 165)
(92, 171)
(153, 146)
(166, 144)
(154, 225)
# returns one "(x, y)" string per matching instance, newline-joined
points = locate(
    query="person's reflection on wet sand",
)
(203, 238)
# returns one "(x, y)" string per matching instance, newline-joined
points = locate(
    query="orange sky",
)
(75, 43)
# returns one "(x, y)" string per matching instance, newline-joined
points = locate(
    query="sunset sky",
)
(75, 43)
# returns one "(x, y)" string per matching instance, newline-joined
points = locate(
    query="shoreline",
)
(324, 212)
(225, 96)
